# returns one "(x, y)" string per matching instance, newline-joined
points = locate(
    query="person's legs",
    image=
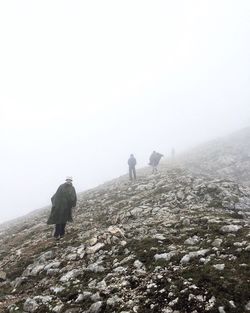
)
(134, 172)
(62, 230)
(130, 173)
(57, 230)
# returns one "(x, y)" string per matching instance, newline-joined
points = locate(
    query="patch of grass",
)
(146, 248)
(224, 285)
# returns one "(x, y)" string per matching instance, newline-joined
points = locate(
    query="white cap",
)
(69, 178)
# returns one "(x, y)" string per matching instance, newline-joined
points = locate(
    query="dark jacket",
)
(62, 203)
(132, 162)
(155, 158)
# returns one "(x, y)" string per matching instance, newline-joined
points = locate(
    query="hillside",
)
(227, 157)
(173, 242)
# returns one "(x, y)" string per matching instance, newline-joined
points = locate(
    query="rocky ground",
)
(227, 157)
(171, 242)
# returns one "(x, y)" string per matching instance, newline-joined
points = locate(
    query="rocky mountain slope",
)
(174, 242)
(227, 157)
(171, 242)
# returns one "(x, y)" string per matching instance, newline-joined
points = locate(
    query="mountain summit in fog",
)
(227, 157)
(174, 242)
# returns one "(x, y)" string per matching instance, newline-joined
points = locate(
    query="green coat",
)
(62, 203)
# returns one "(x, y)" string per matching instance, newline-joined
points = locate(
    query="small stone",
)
(30, 305)
(219, 267)
(112, 301)
(95, 307)
(165, 256)
(217, 242)
(232, 304)
(138, 264)
(192, 241)
(247, 306)
(93, 241)
(2, 275)
(58, 308)
(70, 275)
(247, 248)
(221, 309)
(230, 228)
(95, 268)
(95, 248)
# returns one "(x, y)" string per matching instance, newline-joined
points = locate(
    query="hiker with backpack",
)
(154, 160)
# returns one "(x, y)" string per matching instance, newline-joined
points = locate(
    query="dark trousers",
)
(132, 172)
(59, 230)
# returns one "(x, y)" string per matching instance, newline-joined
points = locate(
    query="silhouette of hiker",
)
(132, 164)
(154, 160)
(62, 203)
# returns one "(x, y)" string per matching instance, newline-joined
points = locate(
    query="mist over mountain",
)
(174, 242)
(227, 157)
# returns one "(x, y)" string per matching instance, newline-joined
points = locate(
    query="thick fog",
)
(85, 83)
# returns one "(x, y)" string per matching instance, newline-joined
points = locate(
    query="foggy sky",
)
(85, 83)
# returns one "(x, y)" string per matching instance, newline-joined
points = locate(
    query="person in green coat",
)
(62, 203)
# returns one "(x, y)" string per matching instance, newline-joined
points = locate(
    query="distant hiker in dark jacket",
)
(132, 164)
(62, 203)
(154, 160)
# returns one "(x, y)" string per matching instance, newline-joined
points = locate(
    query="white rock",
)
(217, 242)
(230, 228)
(58, 308)
(138, 264)
(193, 255)
(52, 265)
(192, 241)
(232, 304)
(240, 244)
(114, 230)
(81, 250)
(93, 241)
(219, 267)
(43, 299)
(36, 270)
(210, 304)
(221, 309)
(95, 297)
(46, 256)
(2, 275)
(95, 248)
(71, 257)
(123, 243)
(70, 275)
(56, 290)
(185, 222)
(83, 296)
(165, 256)
(159, 236)
(247, 306)
(96, 268)
(247, 248)
(112, 301)
(136, 211)
(30, 305)
(102, 285)
(120, 269)
(95, 307)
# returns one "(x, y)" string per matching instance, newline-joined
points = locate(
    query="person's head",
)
(131, 155)
(69, 179)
